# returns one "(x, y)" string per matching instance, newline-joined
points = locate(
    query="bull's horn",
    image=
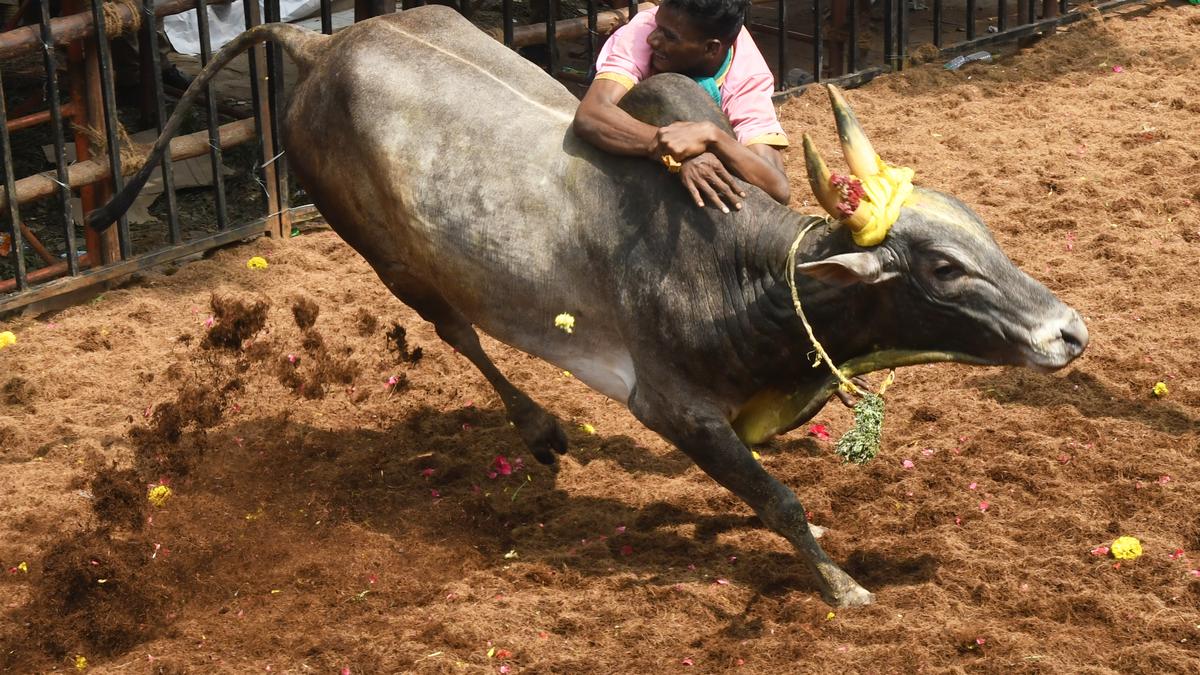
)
(840, 200)
(860, 156)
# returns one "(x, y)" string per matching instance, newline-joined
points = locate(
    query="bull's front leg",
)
(700, 431)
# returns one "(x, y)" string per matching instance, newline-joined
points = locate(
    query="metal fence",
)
(847, 41)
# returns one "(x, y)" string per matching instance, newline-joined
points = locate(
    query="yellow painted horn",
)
(860, 156)
(840, 196)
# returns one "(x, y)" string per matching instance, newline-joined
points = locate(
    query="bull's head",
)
(941, 265)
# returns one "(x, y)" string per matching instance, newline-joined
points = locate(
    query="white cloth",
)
(225, 22)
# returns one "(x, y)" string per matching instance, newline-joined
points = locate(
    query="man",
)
(705, 40)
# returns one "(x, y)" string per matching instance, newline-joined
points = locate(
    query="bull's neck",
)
(842, 318)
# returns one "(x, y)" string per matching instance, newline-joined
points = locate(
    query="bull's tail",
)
(300, 44)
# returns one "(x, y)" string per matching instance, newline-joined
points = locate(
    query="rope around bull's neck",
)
(846, 384)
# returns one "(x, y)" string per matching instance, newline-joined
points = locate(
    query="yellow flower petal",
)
(757, 457)
(588, 429)
(81, 663)
(24, 567)
(565, 322)
(159, 494)
(1126, 548)
(7, 338)
(1160, 388)
(829, 616)
(257, 263)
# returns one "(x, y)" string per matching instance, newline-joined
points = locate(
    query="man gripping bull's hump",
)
(706, 41)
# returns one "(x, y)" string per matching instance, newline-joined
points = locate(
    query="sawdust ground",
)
(323, 518)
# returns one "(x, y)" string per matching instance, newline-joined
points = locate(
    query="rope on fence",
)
(114, 23)
(133, 155)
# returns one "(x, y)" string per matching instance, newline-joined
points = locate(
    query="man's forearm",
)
(613, 130)
(751, 167)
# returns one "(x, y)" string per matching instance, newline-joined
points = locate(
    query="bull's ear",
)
(864, 267)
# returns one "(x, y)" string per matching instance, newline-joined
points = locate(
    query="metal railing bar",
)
(275, 82)
(214, 122)
(110, 121)
(889, 30)
(50, 58)
(149, 41)
(781, 20)
(507, 17)
(970, 20)
(14, 215)
(591, 34)
(937, 23)
(551, 38)
(818, 41)
(327, 17)
(1002, 15)
(853, 49)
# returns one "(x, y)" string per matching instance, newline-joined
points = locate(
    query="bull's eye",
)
(947, 271)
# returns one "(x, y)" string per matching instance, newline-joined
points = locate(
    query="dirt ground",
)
(347, 496)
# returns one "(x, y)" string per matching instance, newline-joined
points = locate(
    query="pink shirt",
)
(745, 91)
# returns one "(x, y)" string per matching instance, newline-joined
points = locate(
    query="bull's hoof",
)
(543, 436)
(851, 596)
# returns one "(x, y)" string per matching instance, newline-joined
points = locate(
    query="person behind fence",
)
(705, 40)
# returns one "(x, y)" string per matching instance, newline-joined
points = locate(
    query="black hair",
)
(720, 19)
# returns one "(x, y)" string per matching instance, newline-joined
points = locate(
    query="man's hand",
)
(683, 140)
(706, 178)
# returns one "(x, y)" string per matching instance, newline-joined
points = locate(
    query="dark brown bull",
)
(448, 162)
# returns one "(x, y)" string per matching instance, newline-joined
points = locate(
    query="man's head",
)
(693, 36)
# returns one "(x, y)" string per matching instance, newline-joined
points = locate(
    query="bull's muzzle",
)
(1058, 341)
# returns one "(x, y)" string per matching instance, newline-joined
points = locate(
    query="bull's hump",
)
(479, 65)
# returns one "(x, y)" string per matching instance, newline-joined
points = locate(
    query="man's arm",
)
(600, 122)
(758, 164)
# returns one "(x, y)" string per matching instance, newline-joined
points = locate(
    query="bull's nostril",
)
(1075, 335)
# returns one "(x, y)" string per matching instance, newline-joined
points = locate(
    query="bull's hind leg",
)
(539, 429)
(703, 433)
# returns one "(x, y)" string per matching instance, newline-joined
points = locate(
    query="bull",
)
(448, 162)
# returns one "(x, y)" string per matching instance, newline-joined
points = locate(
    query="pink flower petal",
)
(1176, 555)
(908, 464)
(1163, 480)
(984, 505)
(972, 486)
(620, 529)
(819, 430)
(688, 662)
(957, 521)
(501, 465)
(1196, 573)
(980, 641)
(927, 452)
(723, 582)
(427, 472)
(1118, 69)
(1100, 551)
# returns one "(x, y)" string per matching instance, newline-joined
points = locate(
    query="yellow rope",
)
(846, 384)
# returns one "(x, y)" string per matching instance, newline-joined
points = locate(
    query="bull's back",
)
(441, 154)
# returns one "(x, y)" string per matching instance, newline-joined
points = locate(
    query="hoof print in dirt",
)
(305, 312)
(18, 391)
(119, 499)
(94, 339)
(235, 321)
(397, 342)
(365, 322)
